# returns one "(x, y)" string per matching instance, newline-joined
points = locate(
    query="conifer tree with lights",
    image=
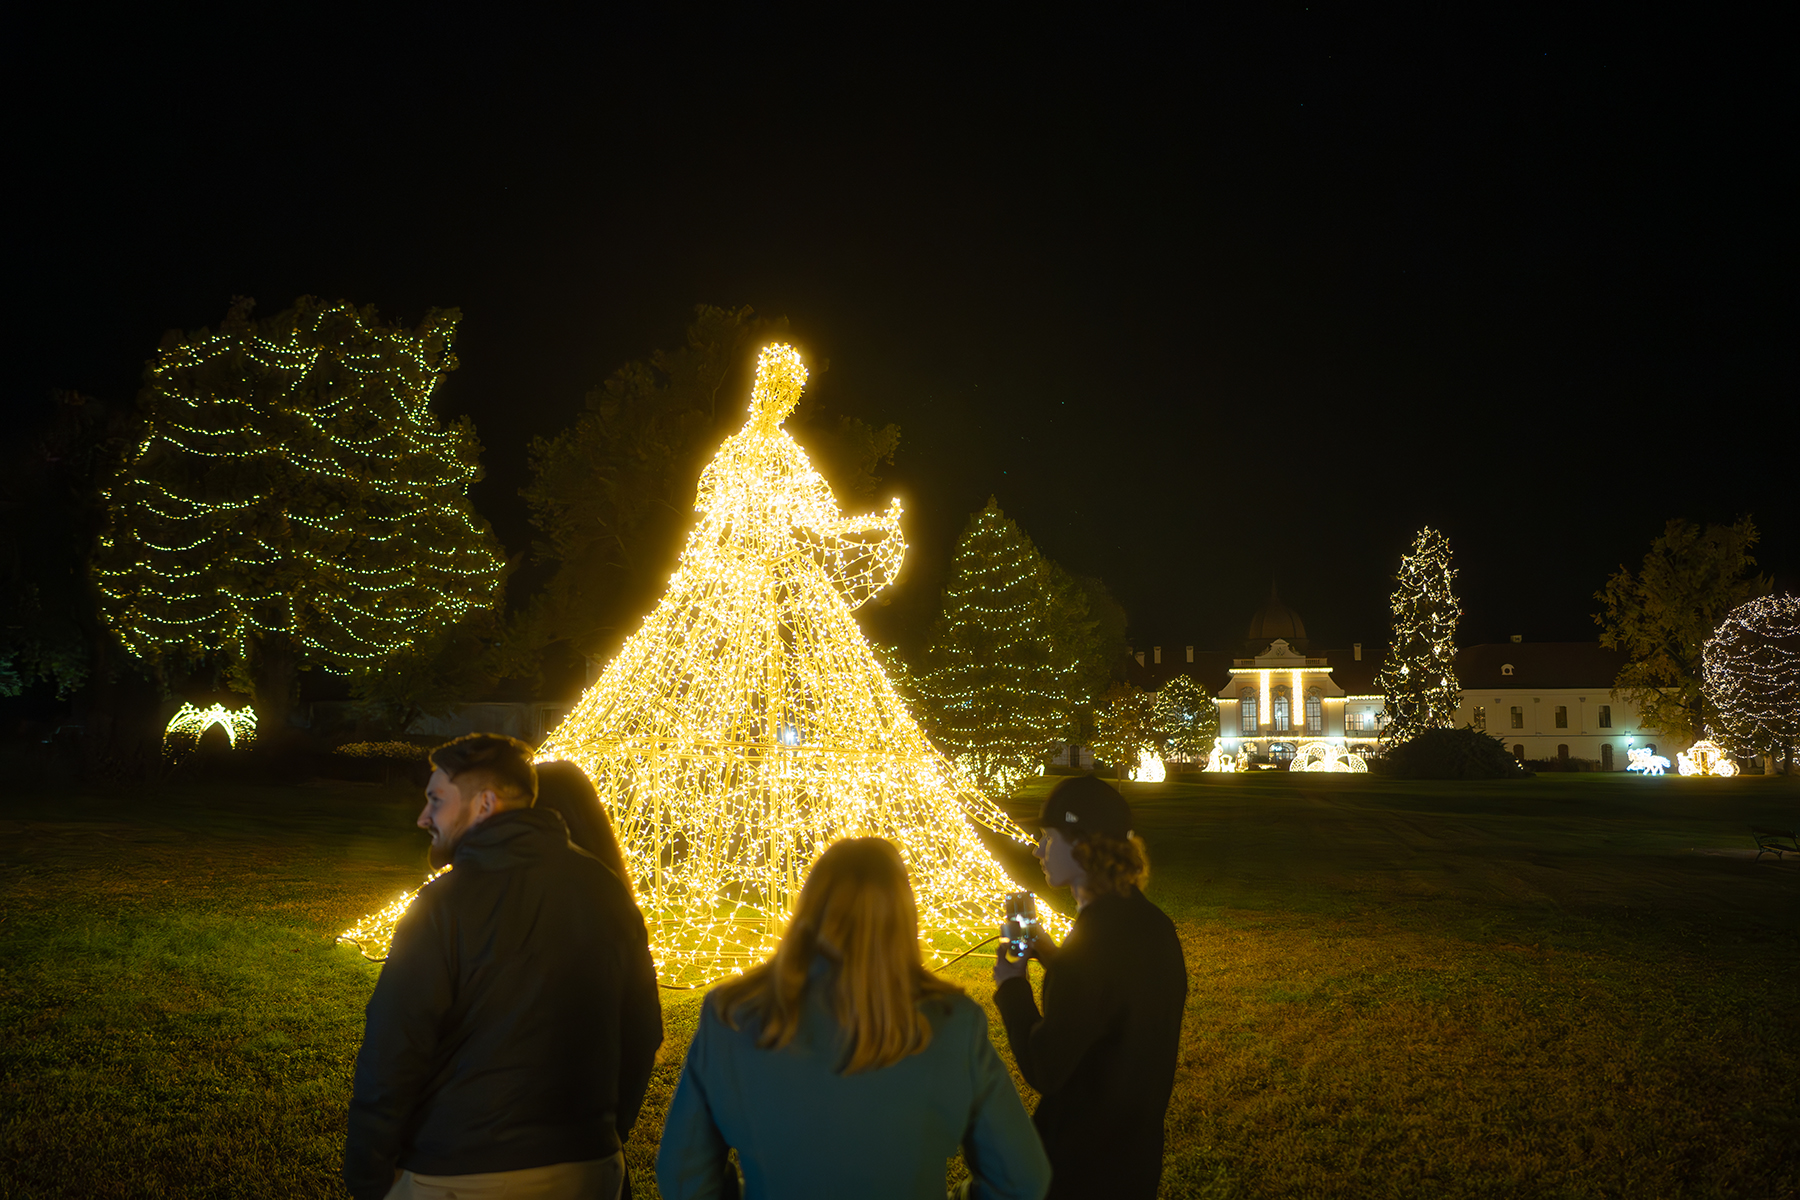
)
(1418, 678)
(1187, 720)
(295, 502)
(1752, 665)
(1000, 692)
(1126, 726)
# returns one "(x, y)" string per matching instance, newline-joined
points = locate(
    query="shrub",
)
(401, 750)
(1453, 754)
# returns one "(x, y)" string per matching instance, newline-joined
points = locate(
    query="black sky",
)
(1204, 300)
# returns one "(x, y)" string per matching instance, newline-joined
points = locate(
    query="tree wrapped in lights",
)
(747, 724)
(294, 501)
(1418, 677)
(1187, 720)
(1125, 727)
(1000, 692)
(1752, 665)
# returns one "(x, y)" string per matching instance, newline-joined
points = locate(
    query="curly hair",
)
(1112, 864)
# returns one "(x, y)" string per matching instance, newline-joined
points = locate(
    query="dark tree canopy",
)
(1662, 616)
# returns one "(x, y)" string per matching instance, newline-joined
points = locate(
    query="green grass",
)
(1569, 986)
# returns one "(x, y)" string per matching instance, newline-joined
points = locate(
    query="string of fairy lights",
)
(1000, 701)
(1751, 673)
(293, 480)
(1418, 678)
(189, 724)
(747, 724)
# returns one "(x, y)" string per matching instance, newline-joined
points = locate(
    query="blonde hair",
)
(1112, 865)
(857, 909)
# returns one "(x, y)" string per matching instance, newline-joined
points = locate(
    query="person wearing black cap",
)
(1102, 1052)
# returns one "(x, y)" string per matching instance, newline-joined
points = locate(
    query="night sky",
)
(1206, 302)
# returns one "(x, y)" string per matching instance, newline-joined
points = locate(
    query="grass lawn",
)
(1577, 985)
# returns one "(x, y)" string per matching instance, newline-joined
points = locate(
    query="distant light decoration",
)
(1150, 768)
(719, 810)
(1751, 676)
(1706, 757)
(1643, 760)
(189, 725)
(1324, 754)
(1417, 679)
(375, 933)
(1218, 760)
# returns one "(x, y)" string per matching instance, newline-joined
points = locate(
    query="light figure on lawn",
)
(1643, 760)
(189, 725)
(1706, 757)
(1321, 754)
(747, 724)
(1150, 768)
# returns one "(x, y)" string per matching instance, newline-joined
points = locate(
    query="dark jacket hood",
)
(515, 837)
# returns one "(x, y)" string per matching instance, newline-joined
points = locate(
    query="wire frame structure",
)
(747, 724)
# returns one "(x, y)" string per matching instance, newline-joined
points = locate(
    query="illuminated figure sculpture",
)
(1150, 768)
(1706, 758)
(1645, 761)
(747, 724)
(1319, 754)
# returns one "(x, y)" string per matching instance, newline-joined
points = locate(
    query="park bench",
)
(1779, 842)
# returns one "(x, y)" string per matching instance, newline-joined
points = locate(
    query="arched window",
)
(1247, 711)
(1506, 669)
(1278, 705)
(1606, 756)
(1315, 712)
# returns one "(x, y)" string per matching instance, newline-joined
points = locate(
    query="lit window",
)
(1518, 717)
(1279, 709)
(1562, 716)
(1247, 710)
(1606, 716)
(1315, 713)
(1480, 721)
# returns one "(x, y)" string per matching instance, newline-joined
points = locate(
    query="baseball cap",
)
(1084, 804)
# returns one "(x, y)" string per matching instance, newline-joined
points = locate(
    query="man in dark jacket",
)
(1102, 1053)
(511, 1035)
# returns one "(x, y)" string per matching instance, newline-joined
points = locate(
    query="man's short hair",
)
(477, 762)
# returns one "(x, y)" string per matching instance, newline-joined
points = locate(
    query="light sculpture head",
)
(780, 378)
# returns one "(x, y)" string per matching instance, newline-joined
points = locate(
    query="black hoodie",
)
(516, 1021)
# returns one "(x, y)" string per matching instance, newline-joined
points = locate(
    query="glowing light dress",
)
(747, 724)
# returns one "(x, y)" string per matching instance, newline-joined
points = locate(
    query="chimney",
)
(1190, 654)
(1156, 651)
(1518, 637)
(1357, 651)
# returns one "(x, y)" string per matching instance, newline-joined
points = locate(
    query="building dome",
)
(1275, 620)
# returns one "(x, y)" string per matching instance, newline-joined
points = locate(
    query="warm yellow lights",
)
(189, 724)
(1264, 714)
(1322, 754)
(1706, 758)
(747, 725)
(1150, 768)
(373, 933)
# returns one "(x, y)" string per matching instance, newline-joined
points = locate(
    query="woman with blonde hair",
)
(841, 1067)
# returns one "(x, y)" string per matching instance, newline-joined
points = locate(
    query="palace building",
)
(1544, 700)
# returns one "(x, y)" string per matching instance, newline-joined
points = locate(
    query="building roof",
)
(1356, 676)
(1276, 620)
(1559, 665)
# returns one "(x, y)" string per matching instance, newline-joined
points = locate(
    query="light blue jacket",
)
(801, 1129)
